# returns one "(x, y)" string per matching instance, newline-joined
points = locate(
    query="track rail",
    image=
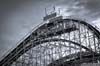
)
(35, 36)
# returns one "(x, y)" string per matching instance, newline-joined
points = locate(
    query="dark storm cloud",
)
(84, 9)
(93, 6)
(90, 9)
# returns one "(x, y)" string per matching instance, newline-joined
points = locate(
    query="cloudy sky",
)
(19, 17)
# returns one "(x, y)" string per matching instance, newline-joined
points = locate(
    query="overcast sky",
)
(18, 17)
